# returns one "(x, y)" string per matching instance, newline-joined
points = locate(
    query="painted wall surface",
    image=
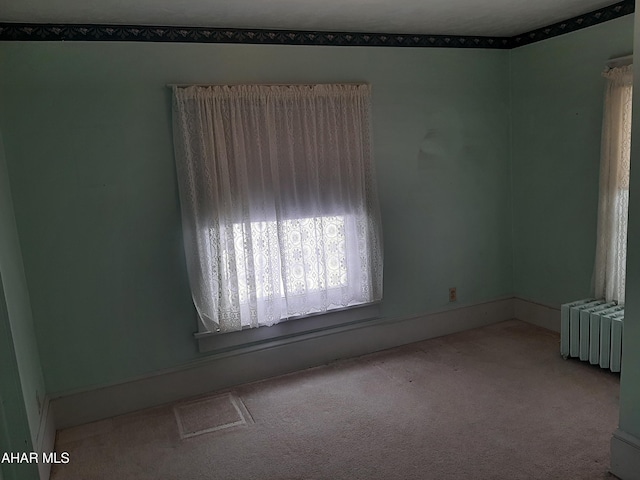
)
(15, 435)
(18, 304)
(557, 96)
(88, 141)
(630, 376)
(20, 374)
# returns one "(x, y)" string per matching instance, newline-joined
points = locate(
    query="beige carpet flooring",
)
(496, 402)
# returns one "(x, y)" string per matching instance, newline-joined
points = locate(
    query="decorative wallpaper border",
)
(605, 14)
(26, 32)
(137, 33)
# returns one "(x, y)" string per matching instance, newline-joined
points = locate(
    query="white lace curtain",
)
(279, 206)
(611, 250)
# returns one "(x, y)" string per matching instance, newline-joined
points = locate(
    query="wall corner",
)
(625, 455)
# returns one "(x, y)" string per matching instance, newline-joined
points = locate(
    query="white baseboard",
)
(625, 456)
(536, 313)
(46, 438)
(244, 365)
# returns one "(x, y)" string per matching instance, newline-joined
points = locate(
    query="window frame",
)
(288, 330)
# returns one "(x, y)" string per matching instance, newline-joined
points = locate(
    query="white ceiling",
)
(445, 17)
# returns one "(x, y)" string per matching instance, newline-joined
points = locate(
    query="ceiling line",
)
(147, 33)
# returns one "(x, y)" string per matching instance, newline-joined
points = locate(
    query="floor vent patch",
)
(211, 414)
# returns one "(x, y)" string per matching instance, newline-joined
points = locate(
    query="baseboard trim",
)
(46, 437)
(225, 370)
(625, 455)
(539, 314)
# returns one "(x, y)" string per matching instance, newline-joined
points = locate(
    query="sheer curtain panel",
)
(611, 250)
(279, 205)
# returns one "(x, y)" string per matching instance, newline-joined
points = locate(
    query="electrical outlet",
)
(453, 296)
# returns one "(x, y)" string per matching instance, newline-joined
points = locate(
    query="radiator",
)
(591, 330)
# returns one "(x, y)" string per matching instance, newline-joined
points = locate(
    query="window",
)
(279, 205)
(611, 250)
(301, 233)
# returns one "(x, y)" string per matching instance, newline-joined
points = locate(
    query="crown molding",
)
(140, 33)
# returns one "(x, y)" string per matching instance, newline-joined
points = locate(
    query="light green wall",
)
(557, 97)
(88, 141)
(20, 374)
(15, 435)
(630, 377)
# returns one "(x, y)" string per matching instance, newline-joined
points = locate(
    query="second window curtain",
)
(611, 249)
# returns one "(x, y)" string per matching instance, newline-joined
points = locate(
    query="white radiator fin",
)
(592, 331)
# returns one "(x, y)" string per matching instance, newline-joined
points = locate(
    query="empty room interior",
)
(318, 240)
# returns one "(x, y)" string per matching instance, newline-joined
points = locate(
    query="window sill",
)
(216, 343)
